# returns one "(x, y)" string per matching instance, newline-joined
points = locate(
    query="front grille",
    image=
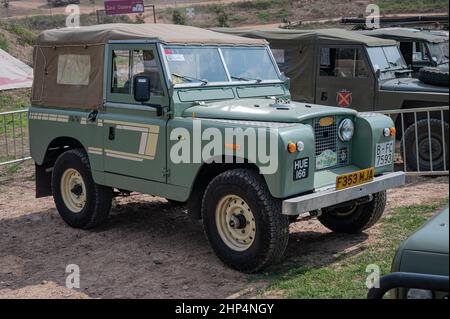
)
(329, 151)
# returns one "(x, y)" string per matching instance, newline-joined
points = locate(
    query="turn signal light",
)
(392, 131)
(292, 147)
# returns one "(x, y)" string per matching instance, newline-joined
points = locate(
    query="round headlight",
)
(346, 130)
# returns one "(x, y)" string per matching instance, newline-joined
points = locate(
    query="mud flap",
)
(43, 180)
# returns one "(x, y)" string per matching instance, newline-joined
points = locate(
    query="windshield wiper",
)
(190, 78)
(245, 79)
(393, 63)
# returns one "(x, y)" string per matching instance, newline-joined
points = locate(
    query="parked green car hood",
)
(432, 237)
(264, 110)
(411, 85)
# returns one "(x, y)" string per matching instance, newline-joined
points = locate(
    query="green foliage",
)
(343, 275)
(222, 17)
(24, 35)
(406, 5)
(140, 19)
(4, 44)
(178, 17)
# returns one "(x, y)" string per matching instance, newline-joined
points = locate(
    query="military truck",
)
(420, 266)
(135, 108)
(419, 49)
(61, 3)
(347, 69)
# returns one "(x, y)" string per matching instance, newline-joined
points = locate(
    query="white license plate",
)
(384, 154)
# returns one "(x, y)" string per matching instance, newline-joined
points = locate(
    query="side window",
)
(128, 63)
(284, 58)
(419, 52)
(343, 62)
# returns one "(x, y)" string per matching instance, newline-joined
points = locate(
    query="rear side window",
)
(73, 69)
(343, 63)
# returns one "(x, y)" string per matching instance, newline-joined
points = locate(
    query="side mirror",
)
(286, 80)
(141, 88)
(378, 72)
(141, 92)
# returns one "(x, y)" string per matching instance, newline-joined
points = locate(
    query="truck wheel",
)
(433, 76)
(437, 145)
(356, 218)
(80, 202)
(243, 222)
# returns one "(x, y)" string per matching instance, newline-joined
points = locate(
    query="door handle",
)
(324, 96)
(112, 133)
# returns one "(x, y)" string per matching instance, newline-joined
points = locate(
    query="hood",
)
(443, 67)
(264, 110)
(412, 85)
(432, 237)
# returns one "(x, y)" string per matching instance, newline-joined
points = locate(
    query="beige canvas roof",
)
(166, 33)
(319, 35)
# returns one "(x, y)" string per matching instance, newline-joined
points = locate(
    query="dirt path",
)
(149, 248)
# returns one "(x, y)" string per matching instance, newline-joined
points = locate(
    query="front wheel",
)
(243, 222)
(80, 202)
(354, 218)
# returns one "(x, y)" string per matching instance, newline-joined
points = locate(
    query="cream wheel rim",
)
(73, 190)
(235, 222)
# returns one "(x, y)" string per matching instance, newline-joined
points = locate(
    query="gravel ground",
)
(148, 249)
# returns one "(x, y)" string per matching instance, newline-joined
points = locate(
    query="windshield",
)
(386, 59)
(439, 52)
(204, 65)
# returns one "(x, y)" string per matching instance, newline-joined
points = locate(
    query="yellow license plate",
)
(355, 178)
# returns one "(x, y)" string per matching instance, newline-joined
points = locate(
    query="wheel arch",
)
(206, 173)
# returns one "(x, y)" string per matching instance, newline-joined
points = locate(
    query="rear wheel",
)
(243, 222)
(80, 202)
(354, 218)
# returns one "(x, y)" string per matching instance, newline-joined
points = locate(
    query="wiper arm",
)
(393, 63)
(244, 79)
(190, 78)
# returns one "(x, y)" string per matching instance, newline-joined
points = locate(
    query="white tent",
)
(14, 73)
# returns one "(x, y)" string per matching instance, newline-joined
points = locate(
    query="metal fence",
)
(14, 137)
(419, 131)
(422, 139)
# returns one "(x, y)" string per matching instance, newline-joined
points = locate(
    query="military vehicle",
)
(419, 49)
(347, 69)
(121, 108)
(61, 3)
(420, 266)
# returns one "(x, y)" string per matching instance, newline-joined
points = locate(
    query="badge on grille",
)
(326, 121)
(344, 98)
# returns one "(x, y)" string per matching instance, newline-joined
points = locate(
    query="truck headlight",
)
(346, 130)
(419, 294)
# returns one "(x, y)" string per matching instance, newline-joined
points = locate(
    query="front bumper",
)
(327, 197)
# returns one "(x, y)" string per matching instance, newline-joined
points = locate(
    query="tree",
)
(140, 19)
(222, 17)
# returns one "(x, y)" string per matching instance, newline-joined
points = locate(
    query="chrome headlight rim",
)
(348, 125)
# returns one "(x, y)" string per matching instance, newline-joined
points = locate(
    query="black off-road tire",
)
(433, 76)
(422, 136)
(272, 228)
(98, 198)
(353, 220)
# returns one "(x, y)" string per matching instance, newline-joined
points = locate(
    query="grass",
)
(4, 44)
(24, 36)
(14, 99)
(387, 6)
(346, 277)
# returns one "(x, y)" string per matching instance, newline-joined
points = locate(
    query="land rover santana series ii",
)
(348, 69)
(205, 119)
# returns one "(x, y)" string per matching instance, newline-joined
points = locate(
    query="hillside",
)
(17, 41)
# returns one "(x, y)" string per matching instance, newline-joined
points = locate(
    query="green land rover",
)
(205, 119)
(347, 69)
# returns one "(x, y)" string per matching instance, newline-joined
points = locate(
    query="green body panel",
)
(129, 145)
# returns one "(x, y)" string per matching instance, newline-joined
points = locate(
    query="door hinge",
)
(165, 172)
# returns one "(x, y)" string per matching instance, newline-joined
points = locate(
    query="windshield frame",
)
(389, 72)
(438, 45)
(230, 82)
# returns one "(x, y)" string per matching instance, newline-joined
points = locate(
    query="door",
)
(134, 134)
(344, 78)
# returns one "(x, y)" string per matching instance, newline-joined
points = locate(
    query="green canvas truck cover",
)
(304, 42)
(69, 62)
(404, 35)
